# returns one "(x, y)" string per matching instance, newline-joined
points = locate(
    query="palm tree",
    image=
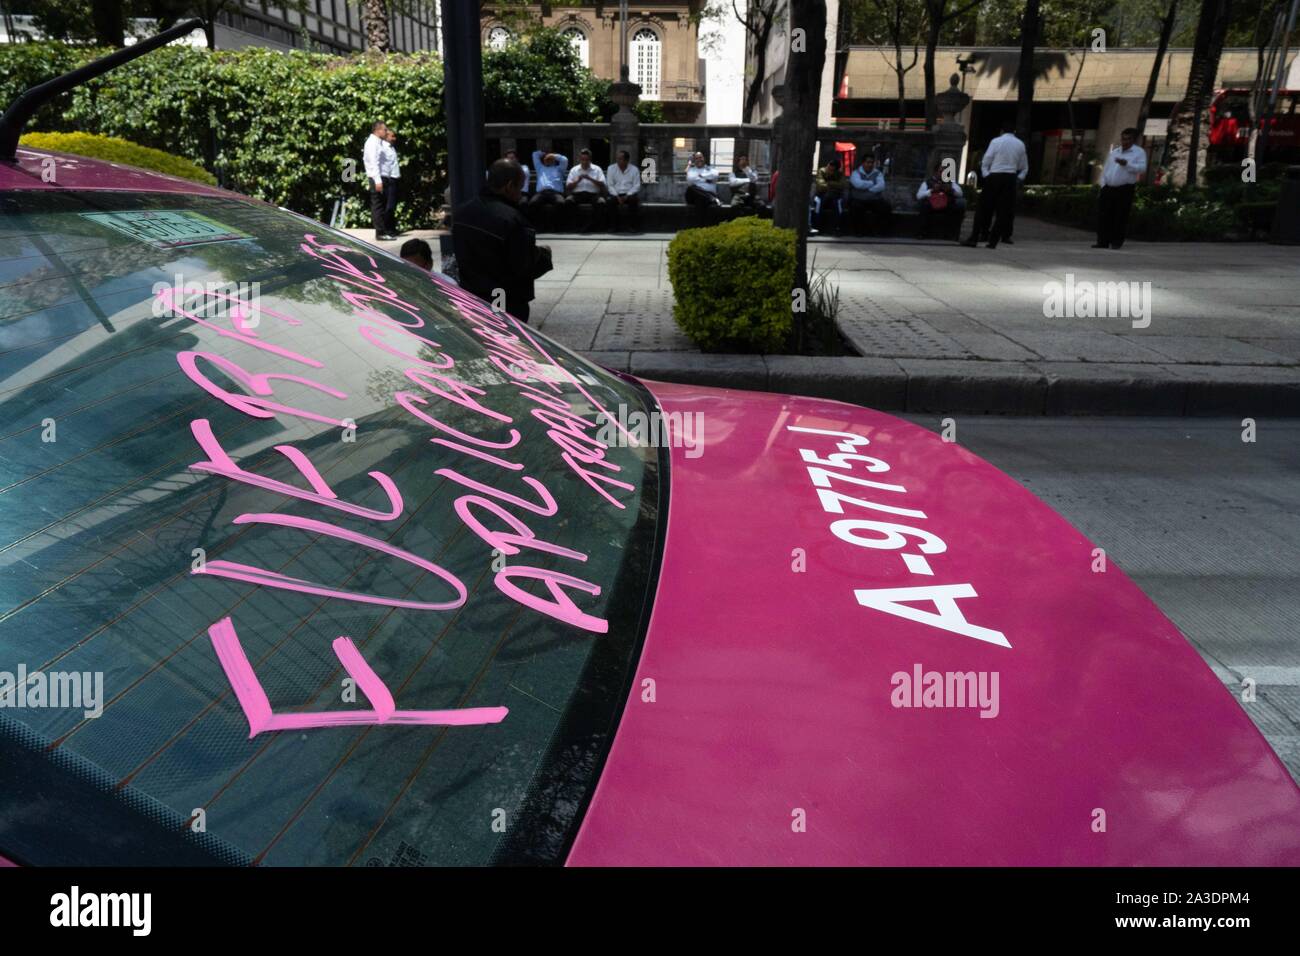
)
(374, 16)
(798, 134)
(1030, 27)
(760, 19)
(1188, 128)
(1166, 31)
(938, 14)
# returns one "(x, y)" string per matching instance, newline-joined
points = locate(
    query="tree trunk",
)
(1187, 129)
(1166, 31)
(803, 80)
(898, 65)
(110, 22)
(1029, 27)
(755, 90)
(1076, 134)
(934, 25)
(374, 14)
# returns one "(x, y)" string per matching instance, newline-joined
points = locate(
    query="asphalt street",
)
(1206, 523)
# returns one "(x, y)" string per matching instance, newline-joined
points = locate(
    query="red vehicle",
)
(1230, 127)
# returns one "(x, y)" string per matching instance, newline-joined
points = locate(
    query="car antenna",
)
(23, 108)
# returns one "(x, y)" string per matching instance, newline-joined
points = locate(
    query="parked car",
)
(371, 574)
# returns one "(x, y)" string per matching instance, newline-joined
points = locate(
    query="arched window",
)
(646, 61)
(497, 38)
(579, 40)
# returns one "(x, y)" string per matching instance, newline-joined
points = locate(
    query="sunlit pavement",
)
(1224, 313)
(1207, 524)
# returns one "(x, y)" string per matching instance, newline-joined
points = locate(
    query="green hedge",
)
(289, 127)
(284, 127)
(115, 150)
(731, 285)
(1160, 213)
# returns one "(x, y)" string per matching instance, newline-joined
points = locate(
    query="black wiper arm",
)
(23, 108)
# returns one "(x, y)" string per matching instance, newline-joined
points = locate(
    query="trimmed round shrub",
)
(114, 150)
(732, 284)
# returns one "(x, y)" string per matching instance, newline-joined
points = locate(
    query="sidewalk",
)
(942, 328)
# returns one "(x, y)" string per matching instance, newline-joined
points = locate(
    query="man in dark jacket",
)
(496, 249)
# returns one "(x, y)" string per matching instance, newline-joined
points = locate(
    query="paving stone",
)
(721, 371)
(1216, 351)
(658, 301)
(1287, 348)
(642, 332)
(991, 345)
(618, 361)
(1090, 346)
(574, 335)
(910, 338)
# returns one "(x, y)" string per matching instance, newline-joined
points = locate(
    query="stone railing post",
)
(949, 134)
(624, 125)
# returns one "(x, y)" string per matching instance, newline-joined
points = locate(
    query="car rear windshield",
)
(306, 556)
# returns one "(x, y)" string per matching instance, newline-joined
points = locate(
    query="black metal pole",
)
(463, 93)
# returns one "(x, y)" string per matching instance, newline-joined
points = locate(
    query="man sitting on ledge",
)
(585, 186)
(941, 206)
(624, 183)
(867, 202)
(701, 185)
(552, 170)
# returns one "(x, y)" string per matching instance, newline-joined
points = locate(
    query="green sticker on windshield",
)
(167, 228)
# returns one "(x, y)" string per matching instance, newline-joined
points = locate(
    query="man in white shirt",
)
(1004, 166)
(869, 209)
(744, 183)
(624, 183)
(391, 171)
(1119, 178)
(585, 186)
(513, 156)
(701, 184)
(371, 157)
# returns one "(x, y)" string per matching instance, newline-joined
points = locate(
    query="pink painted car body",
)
(762, 728)
(772, 687)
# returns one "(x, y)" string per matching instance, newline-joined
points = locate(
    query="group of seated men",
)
(613, 193)
(554, 189)
(857, 204)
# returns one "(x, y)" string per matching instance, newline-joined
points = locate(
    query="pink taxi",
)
(310, 558)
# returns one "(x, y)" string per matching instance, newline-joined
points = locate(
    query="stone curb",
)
(985, 387)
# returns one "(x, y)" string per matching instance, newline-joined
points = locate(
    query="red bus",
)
(1230, 128)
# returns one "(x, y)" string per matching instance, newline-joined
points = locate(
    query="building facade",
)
(326, 25)
(1090, 96)
(663, 46)
(776, 58)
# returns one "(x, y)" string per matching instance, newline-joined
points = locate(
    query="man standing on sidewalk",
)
(391, 171)
(372, 158)
(1005, 166)
(1119, 178)
(496, 248)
